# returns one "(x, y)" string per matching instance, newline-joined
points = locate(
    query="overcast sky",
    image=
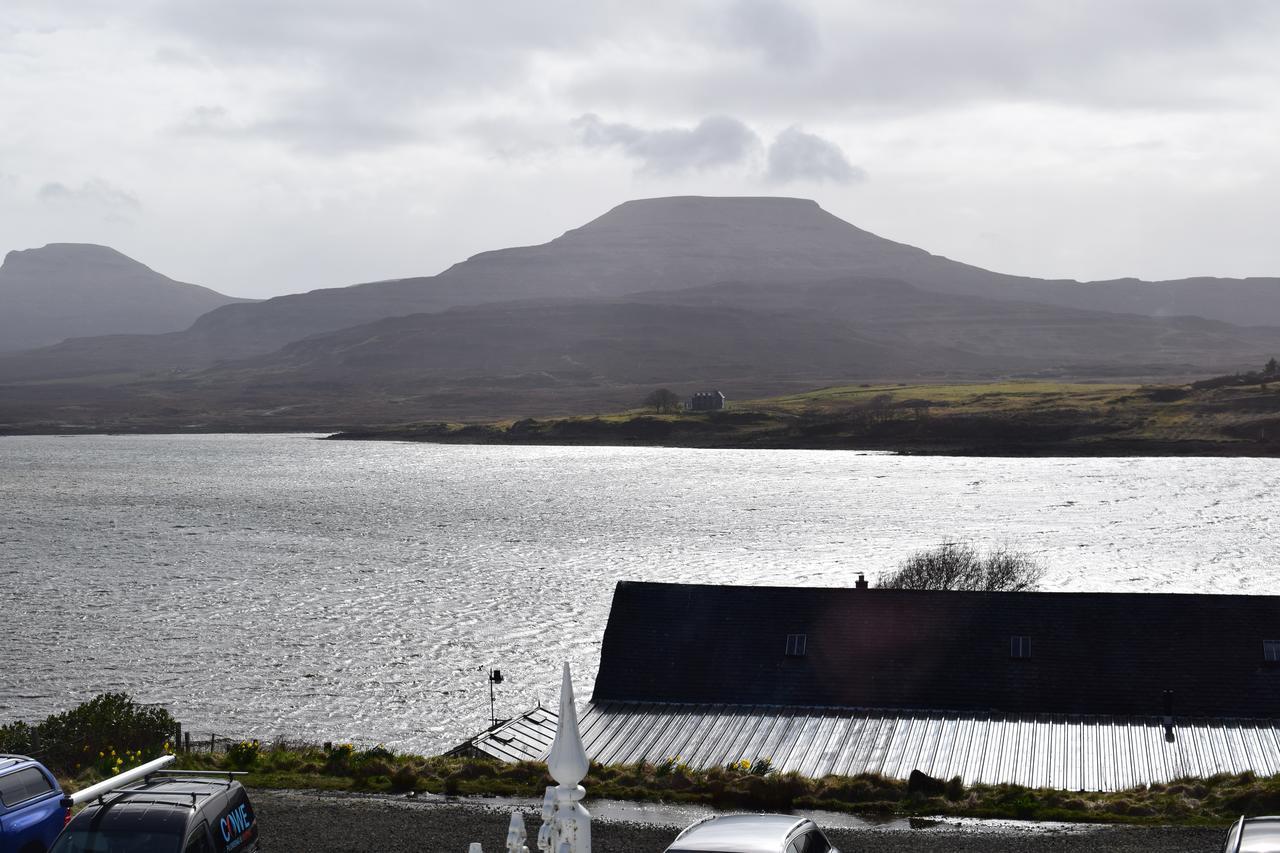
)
(267, 146)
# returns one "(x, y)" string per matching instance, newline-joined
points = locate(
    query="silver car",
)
(1254, 835)
(752, 833)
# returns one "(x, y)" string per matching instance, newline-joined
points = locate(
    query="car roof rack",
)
(213, 774)
(131, 792)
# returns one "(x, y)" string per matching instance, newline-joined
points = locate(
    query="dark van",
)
(180, 813)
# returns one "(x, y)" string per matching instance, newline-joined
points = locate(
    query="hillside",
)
(1007, 419)
(758, 295)
(75, 290)
(658, 244)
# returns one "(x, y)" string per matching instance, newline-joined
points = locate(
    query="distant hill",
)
(757, 295)
(656, 244)
(75, 290)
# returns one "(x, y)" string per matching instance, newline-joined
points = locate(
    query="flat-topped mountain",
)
(754, 294)
(660, 244)
(71, 290)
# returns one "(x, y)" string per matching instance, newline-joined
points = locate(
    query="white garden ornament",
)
(566, 824)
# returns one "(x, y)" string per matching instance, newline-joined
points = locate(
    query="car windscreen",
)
(116, 841)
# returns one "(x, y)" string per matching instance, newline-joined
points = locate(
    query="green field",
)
(1226, 416)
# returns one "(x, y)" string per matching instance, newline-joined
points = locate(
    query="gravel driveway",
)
(314, 822)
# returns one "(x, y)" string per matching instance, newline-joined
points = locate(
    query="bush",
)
(405, 778)
(244, 754)
(16, 738)
(112, 722)
(959, 566)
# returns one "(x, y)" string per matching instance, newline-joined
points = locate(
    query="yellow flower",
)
(101, 754)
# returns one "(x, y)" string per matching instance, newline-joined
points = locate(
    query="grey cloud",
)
(212, 120)
(944, 54)
(714, 141)
(94, 191)
(784, 34)
(796, 155)
(307, 125)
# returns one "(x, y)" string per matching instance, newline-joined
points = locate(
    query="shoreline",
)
(1203, 450)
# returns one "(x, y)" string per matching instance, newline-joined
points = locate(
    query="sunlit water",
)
(263, 585)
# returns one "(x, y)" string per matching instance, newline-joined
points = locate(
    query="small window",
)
(1020, 648)
(796, 644)
(199, 841)
(1271, 651)
(26, 784)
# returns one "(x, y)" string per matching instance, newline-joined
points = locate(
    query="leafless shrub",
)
(959, 566)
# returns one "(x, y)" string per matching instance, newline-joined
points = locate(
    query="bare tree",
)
(959, 566)
(662, 400)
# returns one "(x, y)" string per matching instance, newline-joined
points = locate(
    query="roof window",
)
(1271, 651)
(1020, 648)
(796, 644)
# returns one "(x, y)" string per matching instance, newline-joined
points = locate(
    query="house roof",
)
(1091, 653)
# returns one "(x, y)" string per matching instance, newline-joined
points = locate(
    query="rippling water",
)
(263, 585)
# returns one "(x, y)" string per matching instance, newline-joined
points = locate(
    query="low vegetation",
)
(749, 786)
(94, 739)
(1235, 415)
(959, 566)
(84, 756)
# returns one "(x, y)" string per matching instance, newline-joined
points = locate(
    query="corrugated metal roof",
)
(1038, 750)
(526, 738)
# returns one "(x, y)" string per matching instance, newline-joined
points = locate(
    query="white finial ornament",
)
(567, 762)
(566, 825)
(516, 835)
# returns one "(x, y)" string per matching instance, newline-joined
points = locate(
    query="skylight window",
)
(1020, 648)
(1271, 651)
(796, 644)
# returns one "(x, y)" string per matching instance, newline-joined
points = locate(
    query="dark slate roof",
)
(1092, 653)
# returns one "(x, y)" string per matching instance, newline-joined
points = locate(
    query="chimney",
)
(862, 582)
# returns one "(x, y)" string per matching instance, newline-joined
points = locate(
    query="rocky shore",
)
(319, 822)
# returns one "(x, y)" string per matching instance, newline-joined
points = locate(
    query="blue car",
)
(31, 809)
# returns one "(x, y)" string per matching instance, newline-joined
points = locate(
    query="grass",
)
(1216, 417)
(1217, 800)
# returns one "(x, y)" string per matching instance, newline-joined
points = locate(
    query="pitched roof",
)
(1091, 653)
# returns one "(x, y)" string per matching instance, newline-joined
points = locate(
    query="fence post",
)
(35, 741)
(177, 737)
(186, 744)
(211, 737)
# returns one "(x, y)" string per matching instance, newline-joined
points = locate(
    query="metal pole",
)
(493, 716)
(94, 791)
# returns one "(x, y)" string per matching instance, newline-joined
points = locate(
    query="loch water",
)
(266, 585)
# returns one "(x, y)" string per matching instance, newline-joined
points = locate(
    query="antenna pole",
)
(493, 716)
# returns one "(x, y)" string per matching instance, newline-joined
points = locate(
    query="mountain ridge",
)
(756, 294)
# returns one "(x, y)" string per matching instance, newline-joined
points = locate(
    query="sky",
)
(268, 146)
